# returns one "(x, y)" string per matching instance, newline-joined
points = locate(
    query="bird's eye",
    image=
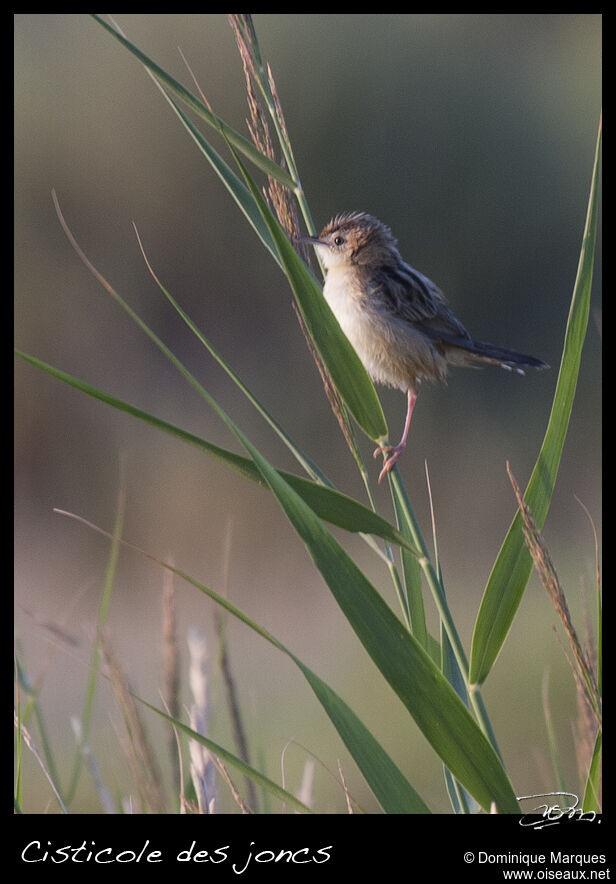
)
(339, 240)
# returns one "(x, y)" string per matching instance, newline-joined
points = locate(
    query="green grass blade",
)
(103, 614)
(342, 362)
(461, 801)
(592, 791)
(246, 769)
(392, 789)
(234, 185)
(453, 790)
(31, 710)
(559, 776)
(240, 142)
(412, 581)
(438, 711)
(302, 458)
(440, 714)
(329, 504)
(599, 639)
(17, 790)
(232, 182)
(513, 565)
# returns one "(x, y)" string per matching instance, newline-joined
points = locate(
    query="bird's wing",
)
(409, 295)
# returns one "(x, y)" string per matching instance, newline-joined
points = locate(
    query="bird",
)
(396, 318)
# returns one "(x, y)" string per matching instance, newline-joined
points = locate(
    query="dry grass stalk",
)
(305, 793)
(280, 199)
(239, 734)
(336, 404)
(139, 753)
(27, 738)
(346, 790)
(581, 665)
(201, 759)
(222, 770)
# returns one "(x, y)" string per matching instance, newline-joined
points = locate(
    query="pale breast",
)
(392, 350)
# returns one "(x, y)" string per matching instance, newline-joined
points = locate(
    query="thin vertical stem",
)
(440, 600)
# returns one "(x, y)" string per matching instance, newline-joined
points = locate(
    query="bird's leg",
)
(394, 451)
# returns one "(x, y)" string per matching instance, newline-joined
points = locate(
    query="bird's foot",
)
(391, 453)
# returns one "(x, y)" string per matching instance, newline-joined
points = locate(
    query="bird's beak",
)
(310, 240)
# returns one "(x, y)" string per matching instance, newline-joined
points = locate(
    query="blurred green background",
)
(473, 137)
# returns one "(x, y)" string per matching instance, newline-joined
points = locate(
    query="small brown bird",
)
(394, 316)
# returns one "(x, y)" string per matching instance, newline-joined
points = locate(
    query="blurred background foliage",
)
(473, 137)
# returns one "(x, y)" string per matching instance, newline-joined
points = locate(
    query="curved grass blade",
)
(331, 505)
(103, 614)
(246, 769)
(244, 145)
(183, 371)
(390, 786)
(392, 790)
(436, 708)
(303, 459)
(234, 185)
(513, 565)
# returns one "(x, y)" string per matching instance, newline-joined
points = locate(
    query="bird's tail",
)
(479, 351)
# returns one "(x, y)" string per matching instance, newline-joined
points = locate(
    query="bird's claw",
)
(391, 453)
